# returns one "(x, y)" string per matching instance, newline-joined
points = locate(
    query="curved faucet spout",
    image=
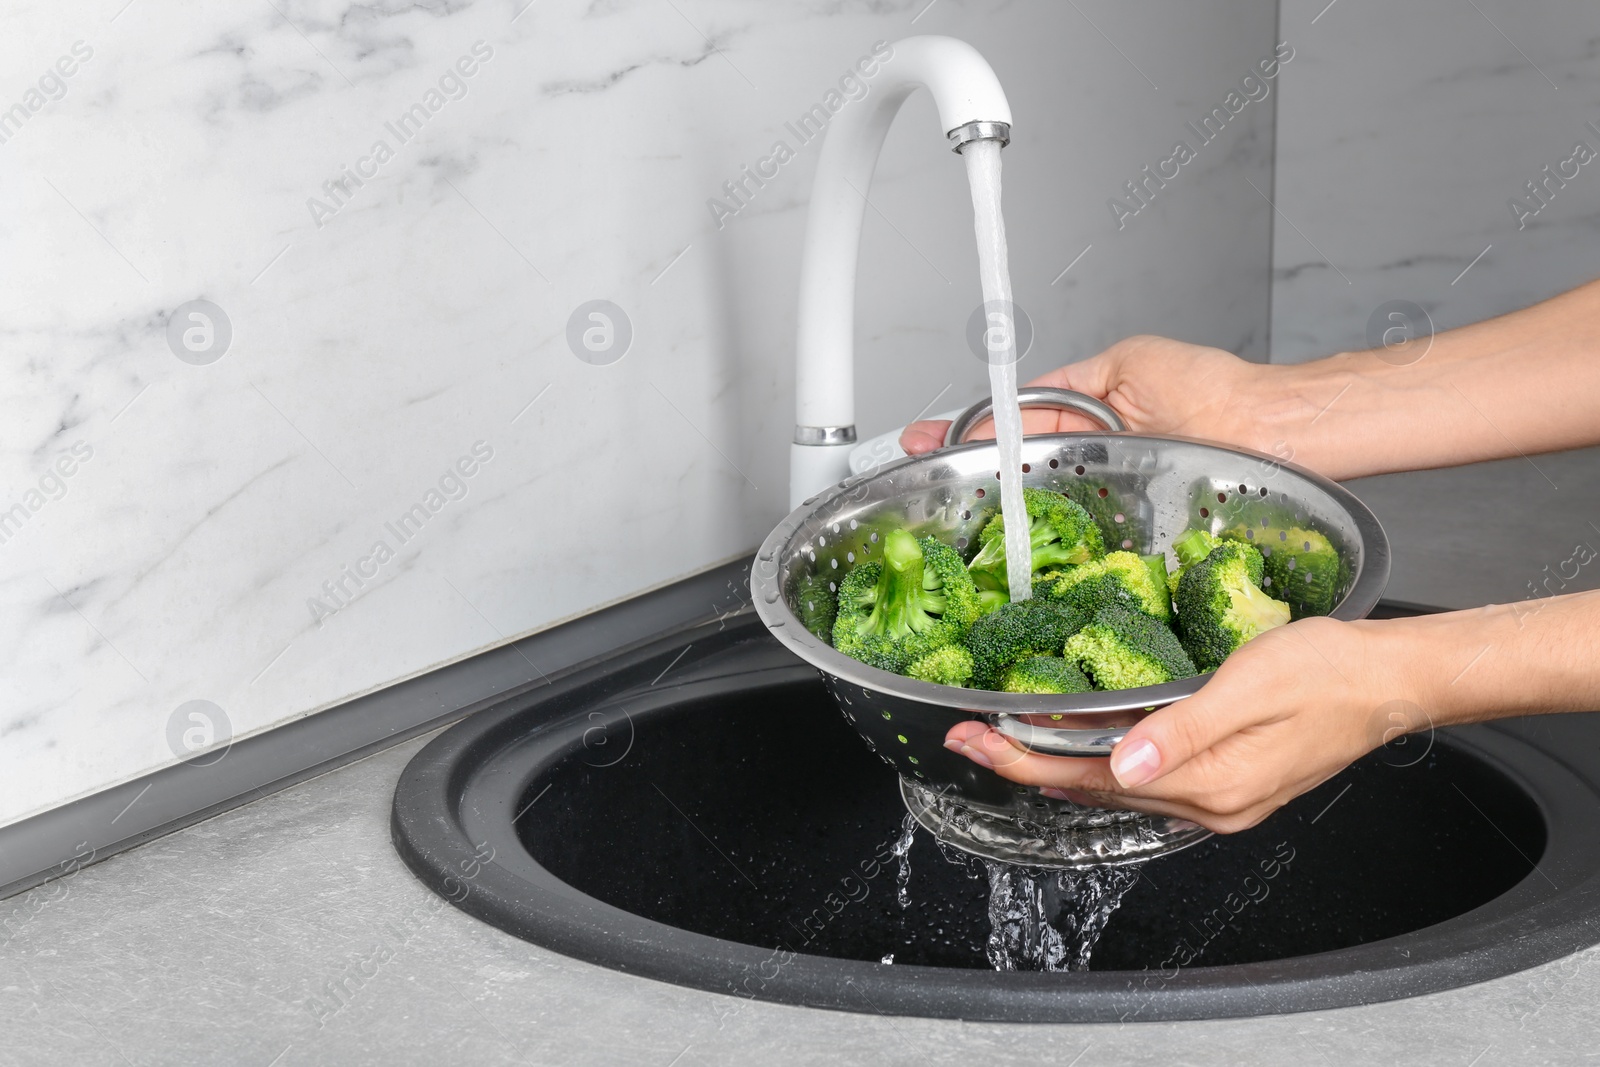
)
(971, 106)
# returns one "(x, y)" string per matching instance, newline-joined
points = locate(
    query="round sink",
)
(699, 813)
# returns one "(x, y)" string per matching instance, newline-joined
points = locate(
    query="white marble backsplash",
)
(1404, 134)
(1407, 136)
(370, 449)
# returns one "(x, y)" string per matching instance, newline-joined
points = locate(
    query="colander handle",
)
(1036, 396)
(1060, 742)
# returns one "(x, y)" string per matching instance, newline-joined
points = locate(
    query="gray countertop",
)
(1485, 533)
(288, 932)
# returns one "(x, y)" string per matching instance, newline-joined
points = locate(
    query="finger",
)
(1089, 781)
(920, 437)
(990, 749)
(1072, 422)
(1034, 421)
(962, 732)
(1077, 796)
(1172, 736)
(1219, 822)
(1093, 376)
(982, 430)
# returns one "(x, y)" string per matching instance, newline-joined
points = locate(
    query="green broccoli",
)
(1191, 547)
(946, 665)
(1119, 577)
(1044, 674)
(1017, 631)
(1124, 649)
(1060, 533)
(1156, 563)
(1221, 605)
(917, 599)
(991, 600)
(1306, 571)
(816, 603)
(1104, 510)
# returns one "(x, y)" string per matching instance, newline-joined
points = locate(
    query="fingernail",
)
(1135, 764)
(971, 753)
(1053, 793)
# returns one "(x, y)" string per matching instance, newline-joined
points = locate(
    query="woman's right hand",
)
(1157, 385)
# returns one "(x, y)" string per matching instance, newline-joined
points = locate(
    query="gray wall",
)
(1403, 131)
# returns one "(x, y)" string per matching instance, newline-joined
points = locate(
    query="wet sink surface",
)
(741, 816)
(723, 827)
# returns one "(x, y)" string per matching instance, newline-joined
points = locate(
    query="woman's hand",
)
(1158, 386)
(1283, 714)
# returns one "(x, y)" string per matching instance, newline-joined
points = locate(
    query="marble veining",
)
(380, 337)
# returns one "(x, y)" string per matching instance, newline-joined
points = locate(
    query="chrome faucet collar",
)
(962, 136)
(824, 435)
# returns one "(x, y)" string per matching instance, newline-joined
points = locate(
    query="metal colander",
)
(1144, 490)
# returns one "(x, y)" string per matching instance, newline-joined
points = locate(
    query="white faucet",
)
(972, 107)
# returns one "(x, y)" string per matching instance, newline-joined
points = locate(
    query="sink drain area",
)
(698, 812)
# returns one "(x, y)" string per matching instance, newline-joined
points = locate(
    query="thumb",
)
(1172, 736)
(1094, 376)
(920, 437)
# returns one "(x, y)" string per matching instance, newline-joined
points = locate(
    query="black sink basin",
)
(698, 812)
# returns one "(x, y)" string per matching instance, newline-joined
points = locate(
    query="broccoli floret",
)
(1125, 649)
(1221, 605)
(948, 665)
(1306, 571)
(991, 600)
(816, 603)
(1105, 510)
(858, 597)
(1044, 674)
(1016, 632)
(917, 599)
(1156, 563)
(1060, 533)
(1117, 578)
(1191, 547)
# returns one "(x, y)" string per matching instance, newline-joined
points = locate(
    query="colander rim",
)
(773, 609)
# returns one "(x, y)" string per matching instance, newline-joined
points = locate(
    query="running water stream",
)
(901, 850)
(1050, 920)
(1040, 920)
(1000, 342)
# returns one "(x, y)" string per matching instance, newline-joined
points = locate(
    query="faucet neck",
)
(971, 105)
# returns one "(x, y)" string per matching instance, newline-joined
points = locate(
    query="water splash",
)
(901, 850)
(1000, 342)
(1050, 920)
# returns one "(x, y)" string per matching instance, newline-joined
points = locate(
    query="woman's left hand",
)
(1283, 714)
